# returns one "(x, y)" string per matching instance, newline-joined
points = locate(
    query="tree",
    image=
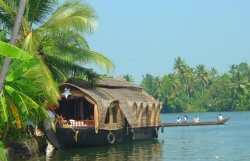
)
(13, 39)
(202, 76)
(189, 82)
(213, 72)
(129, 78)
(239, 87)
(59, 39)
(148, 84)
(26, 81)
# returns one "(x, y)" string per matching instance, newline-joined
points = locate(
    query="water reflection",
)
(141, 150)
(49, 152)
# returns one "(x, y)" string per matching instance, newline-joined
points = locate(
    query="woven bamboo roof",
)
(118, 82)
(110, 90)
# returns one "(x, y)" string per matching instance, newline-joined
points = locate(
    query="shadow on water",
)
(140, 150)
(147, 150)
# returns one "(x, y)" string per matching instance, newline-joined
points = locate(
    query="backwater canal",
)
(229, 142)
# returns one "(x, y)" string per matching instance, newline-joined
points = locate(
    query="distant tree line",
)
(199, 89)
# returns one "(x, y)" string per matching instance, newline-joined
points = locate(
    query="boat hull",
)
(86, 136)
(196, 123)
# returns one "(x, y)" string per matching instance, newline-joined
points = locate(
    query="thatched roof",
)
(118, 82)
(110, 90)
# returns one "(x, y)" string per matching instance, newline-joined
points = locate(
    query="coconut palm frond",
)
(32, 41)
(100, 60)
(39, 10)
(74, 48)
(8, 13)
(66, 39)
(3, 34)
(71, 69)
(41, 77)
(73, 15)
(58, 75)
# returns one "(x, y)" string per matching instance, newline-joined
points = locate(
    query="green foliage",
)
(176, 105)
(199, 90)
(28, 89)
(2, 152)
(105, 76)
(53, 38)
(56, 35)
(129, 78)
(13, 52)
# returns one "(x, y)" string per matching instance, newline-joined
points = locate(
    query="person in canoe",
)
(178, 120)
(196, 119)
(219, 118)
(185, 118)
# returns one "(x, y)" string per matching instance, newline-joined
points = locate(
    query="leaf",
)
(29, 101)
(2, 152)
(17, 69)
(13, 52)
(41, 77)
(16, 114)
(3, 109)
(15, 95)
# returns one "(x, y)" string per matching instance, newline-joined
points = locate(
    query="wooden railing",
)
(89, 122)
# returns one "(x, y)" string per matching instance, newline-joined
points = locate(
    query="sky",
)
(145, 37)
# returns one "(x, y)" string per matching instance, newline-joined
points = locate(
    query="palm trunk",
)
(13, 39)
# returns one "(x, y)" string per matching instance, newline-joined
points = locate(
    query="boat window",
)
(114, 114)
(134, 108)
(107, 117)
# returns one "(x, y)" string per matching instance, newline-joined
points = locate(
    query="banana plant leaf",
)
(14, 52)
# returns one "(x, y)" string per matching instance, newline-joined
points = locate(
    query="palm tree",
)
(179, 66)
(49, 53)
(26, 81)
(213, 72)
(202, 76)
(129, 78)
(189, 79)
(16, 27)
(239, 86)
(148, 84)
(59, 40)
(174, 84)
(233, 69)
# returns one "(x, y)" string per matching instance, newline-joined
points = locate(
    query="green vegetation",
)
(129, 78)
(50, 48)
(199, 89)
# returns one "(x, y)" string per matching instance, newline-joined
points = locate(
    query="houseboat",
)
(113, 111)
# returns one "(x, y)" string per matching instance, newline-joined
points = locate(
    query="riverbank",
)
(25, 148)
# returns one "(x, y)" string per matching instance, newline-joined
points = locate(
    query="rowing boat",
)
(196, 123)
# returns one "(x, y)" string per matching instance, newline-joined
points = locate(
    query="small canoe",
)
(196, 123)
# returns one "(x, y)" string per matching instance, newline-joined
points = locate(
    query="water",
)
(227, 142)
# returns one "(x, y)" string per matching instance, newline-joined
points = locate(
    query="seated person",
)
(185, 118)
(178, 120)
(219, 118)
(196, 119)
